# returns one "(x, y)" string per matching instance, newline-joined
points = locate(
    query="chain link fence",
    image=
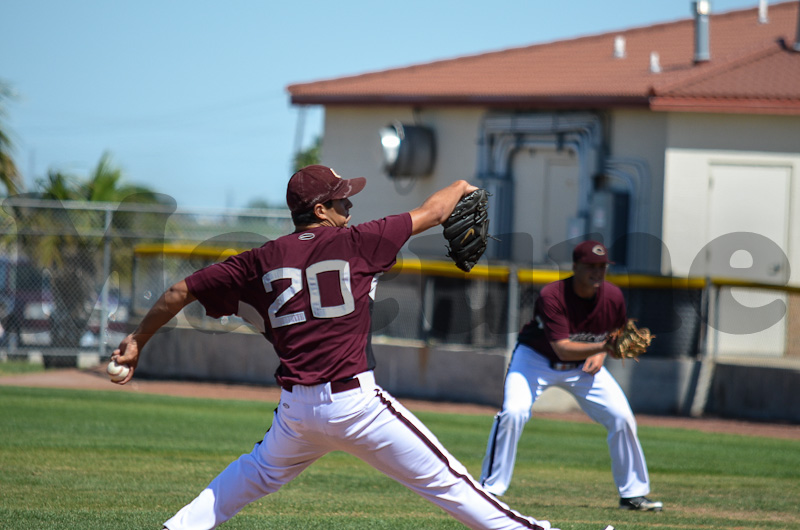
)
(66, 268)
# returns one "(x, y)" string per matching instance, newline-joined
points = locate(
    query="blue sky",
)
(189, 97)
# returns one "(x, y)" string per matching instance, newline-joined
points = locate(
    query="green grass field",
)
(109, 460)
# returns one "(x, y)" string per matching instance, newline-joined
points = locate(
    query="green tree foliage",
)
(260, 204)
(309, 156)
(9, 174)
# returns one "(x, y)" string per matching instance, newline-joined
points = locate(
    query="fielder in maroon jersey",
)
(565, 345)
(313, 289)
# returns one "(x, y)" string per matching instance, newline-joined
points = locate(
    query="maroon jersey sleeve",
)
(219, 287)
(378, 242)
(621, 311)
(553, 315)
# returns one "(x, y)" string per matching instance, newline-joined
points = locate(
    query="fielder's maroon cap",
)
(590, 252)
(317, 185)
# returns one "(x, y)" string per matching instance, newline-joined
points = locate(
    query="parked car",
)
(26, 303)
(27, 310)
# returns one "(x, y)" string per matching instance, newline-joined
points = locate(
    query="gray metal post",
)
(708, 361)
(103, 331)
(427, 308)
(512, 326)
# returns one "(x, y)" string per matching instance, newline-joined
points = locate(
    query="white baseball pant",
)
(366, 422)
(600, 396)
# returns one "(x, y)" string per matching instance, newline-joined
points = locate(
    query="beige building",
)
(672, 142)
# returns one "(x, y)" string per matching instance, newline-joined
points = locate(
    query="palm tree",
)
(74, 256)
(106, 184)
(9, 175)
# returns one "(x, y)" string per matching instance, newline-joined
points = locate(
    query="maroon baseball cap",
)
(317, 185)
(590, 252)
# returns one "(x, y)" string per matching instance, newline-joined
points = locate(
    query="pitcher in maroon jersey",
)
(312, 291)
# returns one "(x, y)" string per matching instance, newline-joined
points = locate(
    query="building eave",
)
(726, 106)
(527, 102)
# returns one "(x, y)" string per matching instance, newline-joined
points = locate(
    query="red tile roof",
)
(753, 69)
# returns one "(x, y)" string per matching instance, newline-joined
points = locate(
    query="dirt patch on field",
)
(95, 379)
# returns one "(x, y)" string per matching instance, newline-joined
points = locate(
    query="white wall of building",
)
(636, 143)
(351, 146)
(762, 152)
(546, 198)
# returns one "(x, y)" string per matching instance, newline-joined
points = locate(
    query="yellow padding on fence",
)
(642, 281)
(448, 268)
(498, 273)
(186, 251)
(541, 276)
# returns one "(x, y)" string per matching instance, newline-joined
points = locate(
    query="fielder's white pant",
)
(366, 422)
(600, 396)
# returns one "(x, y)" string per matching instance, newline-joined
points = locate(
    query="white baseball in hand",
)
(117, 371)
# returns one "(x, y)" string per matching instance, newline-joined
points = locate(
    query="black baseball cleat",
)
(642, 504)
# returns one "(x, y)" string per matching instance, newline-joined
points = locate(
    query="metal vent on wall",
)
(408, 150)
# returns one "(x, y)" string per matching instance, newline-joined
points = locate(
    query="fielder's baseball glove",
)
(629, 341)
(467, 229)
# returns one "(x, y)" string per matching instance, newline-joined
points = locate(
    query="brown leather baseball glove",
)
(629, 341)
